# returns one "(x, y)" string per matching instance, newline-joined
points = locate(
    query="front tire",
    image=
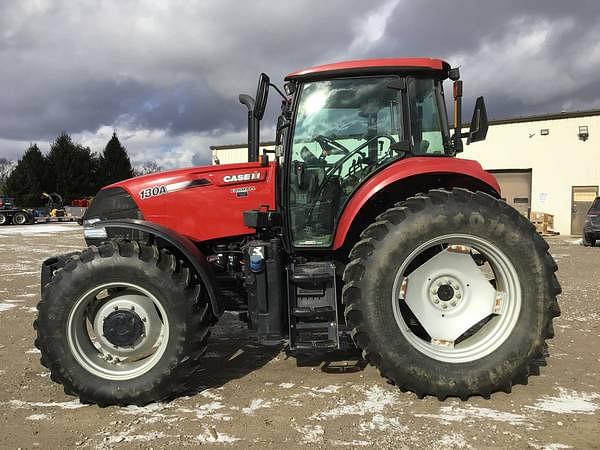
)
(452, 294)
(3, 219)
(123, 324)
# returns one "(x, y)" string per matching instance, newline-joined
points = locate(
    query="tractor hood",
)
(201, 203)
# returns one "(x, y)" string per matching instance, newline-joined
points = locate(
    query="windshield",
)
(345, 129)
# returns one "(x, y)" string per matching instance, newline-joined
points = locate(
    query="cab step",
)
(312, 306)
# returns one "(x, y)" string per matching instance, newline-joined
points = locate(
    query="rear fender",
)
(182, 244)
(403, 179)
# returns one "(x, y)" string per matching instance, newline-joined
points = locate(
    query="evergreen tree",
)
(71, 169)
(114, 162)
(29, 178)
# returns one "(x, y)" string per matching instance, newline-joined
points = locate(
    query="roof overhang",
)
(380, 66)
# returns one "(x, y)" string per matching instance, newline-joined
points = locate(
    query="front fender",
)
(403, 170)
(184, 245)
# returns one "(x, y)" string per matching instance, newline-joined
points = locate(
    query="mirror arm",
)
(278, 91)
(458, 134)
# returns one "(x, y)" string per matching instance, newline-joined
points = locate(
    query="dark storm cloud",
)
(524, 56)
(178, 66)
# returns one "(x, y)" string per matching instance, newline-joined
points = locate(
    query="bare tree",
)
(6, 168)
(147, 167)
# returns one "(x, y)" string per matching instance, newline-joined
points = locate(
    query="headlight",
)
(93, 232)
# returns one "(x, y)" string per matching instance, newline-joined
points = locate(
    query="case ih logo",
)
(241, 177)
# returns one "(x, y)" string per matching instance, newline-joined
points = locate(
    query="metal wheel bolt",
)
(458, 296)
(444, 305)
(436, 301)
(453, 303)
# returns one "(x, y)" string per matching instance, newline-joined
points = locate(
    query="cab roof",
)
(372, 67)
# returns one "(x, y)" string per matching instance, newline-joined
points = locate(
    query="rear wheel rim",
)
(449, 307)
(20, 219)
(97, 353)
(2, 219)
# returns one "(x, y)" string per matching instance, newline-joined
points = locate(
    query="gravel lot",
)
(258, 397)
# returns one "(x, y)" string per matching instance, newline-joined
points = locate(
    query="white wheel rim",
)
(460, 315)
(95, 353)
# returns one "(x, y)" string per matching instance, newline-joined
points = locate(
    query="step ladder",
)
(312, 306)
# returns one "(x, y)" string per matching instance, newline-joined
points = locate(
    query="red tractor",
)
(363, 230)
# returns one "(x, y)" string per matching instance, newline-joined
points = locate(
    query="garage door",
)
(516, 188)
(582, 198)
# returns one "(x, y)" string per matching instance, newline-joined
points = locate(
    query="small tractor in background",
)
(364, 230)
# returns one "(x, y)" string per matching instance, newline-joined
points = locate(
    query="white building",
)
(548, 163)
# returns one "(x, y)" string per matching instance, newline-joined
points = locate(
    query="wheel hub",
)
(446, 293)
(123, 328)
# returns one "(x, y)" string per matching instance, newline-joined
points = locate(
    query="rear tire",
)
(20, 218)
(3, 219)
(80, 356)
(492, 355)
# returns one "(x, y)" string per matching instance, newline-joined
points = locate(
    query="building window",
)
(544, 131)
(583, 133)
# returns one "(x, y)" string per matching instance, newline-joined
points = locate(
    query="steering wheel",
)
(341, 162)
(327, 143)
(349, 155)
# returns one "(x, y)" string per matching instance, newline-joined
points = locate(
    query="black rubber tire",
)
(20, 218)
(385, 244)
(587, 241)
(593, 241)
(174, 284)
(3, 219)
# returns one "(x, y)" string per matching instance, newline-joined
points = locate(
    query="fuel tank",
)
(206, 202)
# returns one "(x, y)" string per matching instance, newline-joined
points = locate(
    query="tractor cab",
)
(340, 123)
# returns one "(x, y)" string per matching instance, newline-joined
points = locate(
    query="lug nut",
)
(458, 296)
(436, 301)
(453, 303)
(444, 305)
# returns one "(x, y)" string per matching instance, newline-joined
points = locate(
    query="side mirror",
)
(479, 122)
(262, 92)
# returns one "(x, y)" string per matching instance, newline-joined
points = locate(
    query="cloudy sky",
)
(166, 74)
